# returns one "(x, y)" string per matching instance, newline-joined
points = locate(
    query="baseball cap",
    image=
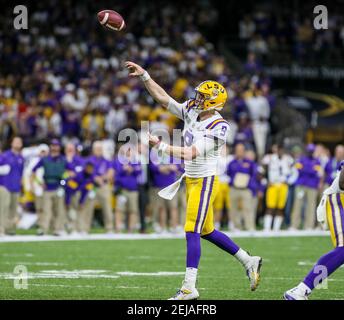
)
(55, 142)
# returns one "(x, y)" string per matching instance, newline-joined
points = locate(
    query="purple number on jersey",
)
(188, 138)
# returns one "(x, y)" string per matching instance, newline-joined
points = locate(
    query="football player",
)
(205, 132)
(330, 212)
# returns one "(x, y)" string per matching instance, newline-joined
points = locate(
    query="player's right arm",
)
(158, 93)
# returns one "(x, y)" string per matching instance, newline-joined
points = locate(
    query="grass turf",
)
(286, 262)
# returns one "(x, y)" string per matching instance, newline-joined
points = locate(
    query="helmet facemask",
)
(199, 100)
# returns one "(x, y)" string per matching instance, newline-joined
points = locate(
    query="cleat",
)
(186, 294)
(295, 294)
(253, 271)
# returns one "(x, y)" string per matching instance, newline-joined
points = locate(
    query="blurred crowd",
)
(69, 79)
(281, 33)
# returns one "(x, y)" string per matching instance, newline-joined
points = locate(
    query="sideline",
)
(156, 236)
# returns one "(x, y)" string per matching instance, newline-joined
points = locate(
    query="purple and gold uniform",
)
(202, 182)
(82, 182)
(330, 212)
(333, 198)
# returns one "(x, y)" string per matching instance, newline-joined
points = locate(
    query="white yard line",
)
(155, 236)
(26, 263)
(150, 274)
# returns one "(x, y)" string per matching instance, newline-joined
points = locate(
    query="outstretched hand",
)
(135, 69)
(153, 140)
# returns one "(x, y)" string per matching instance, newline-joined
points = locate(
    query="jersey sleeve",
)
(176, 108)
(214, 138)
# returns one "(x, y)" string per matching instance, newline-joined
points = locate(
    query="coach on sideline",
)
(10, 186)
(53, 206)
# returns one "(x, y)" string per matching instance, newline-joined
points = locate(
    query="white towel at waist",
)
(170, 191)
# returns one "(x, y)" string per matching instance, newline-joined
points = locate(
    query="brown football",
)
(111, 20)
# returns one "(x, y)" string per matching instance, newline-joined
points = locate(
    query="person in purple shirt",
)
(127, 169)
(307, 185)
(241, 172)
(10, 186)
(75, 166)
(55, 167)
(163, 172)
(333, 164)
(104, 173)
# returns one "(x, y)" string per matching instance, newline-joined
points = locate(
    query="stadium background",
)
(254, 48)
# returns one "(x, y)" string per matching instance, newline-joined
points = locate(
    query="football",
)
(111, 20)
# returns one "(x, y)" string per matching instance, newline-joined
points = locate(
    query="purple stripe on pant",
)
(334, 219)
(341, 210)
(208, 200)
(201, 203)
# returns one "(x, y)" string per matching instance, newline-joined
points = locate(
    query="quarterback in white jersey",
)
(208, 136)
(204, 134)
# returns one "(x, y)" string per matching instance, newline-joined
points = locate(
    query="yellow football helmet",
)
(210, 95)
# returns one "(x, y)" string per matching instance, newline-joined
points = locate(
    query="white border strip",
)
(156, 236)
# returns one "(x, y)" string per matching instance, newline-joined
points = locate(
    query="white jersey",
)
(222, 168)
(334, 187)
(279, 169)
(208, 136)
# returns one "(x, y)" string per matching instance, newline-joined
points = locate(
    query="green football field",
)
(153, 269)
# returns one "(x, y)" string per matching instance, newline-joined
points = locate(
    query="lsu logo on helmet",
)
(210, 95)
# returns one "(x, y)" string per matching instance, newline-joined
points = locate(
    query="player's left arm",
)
(214, 139)
(186, 153)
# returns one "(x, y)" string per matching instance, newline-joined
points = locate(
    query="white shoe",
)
(295, 294)
(185, 294)
(253, 271)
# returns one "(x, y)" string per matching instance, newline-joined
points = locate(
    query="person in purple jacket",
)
(241, 172)
(307, 185)
(127, 169)
(10, 185)
(104, 173)
(163, 172)
(333, 164)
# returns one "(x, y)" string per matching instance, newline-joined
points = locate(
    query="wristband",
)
(162, 147)
(145, 76)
